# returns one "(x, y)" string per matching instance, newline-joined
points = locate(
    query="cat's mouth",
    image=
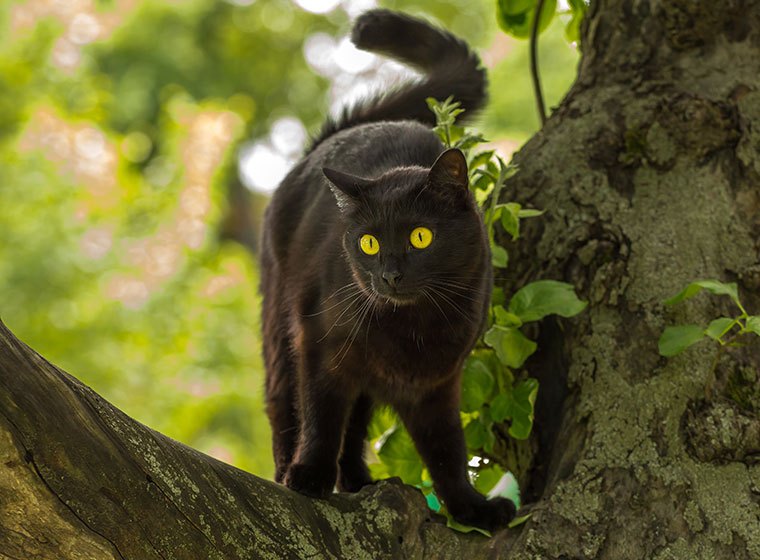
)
(395, 296)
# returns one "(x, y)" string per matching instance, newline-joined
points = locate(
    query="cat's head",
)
(413, 234)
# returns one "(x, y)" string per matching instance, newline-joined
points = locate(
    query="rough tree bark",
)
(650, 174)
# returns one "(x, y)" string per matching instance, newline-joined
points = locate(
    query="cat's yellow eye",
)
(421, 237)
(369, 244)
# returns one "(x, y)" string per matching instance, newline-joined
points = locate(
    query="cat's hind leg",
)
(353, 469)
(280, 388)
(283, 419)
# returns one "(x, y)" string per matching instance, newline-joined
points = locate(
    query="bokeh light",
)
(318, 6)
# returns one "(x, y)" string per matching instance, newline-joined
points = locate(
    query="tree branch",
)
(79, 477)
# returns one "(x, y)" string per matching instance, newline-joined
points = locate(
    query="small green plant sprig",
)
(491, 395)
(726, 331)
(489, 391)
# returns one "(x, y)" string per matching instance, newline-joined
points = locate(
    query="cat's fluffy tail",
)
(450, 68)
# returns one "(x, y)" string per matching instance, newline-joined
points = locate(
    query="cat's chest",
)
(398, 358)
(389, 352)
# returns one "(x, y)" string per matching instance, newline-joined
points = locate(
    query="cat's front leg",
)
(324, 409)
(435, 426)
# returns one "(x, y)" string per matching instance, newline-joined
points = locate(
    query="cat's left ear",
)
(347, 188)
(450, 171)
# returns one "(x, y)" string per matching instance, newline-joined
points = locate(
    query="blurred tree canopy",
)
(121, 123)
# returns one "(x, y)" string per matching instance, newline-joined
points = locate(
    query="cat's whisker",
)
(342, 289)
(369, 323)
(453, 304)
(463, 290)
(458, 277)
(346, 297)
(362, 312)
(356, 317)
(337, 322)
(469, 284)
(432, 300)
(455, 291)
(352, 316)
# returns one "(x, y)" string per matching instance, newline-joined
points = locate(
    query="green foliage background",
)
(114, 267)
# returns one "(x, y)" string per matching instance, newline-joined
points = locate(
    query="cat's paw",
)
(312, 480)
(279, 474)
(353, 477)
(486, 514)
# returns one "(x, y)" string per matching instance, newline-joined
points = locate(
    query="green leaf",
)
(519, 24)
(504, 377)
(718, 327)
(688, 292)
(456, 132)
(493, 214)
(513, 7)
(505, 318)
(492, 168)
(524, 403)
(379, 470)
(497, 297)
(432, 104)
(753, 324)
(398, 453)
(529, 213)
(468, 141)
(481, 158)
(477, 384)
(501, 407)
(505, 487)
(432, 501)
(519, 520)
(383, 419)
(539, 299)
(720, 288)
(511, 346)
(519, 405)
(451, 524)
(478, 435)
(499, 257)
(510, 218)
(675, 340)
(487, 478)
(712, 286)
(573, 27)
(482, 183)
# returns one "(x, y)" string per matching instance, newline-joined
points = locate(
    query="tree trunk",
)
(650, 175)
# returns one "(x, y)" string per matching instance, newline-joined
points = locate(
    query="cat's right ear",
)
(347, 188)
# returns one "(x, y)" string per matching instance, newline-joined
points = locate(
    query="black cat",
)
(376, 278)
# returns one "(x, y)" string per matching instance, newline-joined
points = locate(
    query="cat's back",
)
(371, 149)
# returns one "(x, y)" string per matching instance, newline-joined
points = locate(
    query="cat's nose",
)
(392, 277)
